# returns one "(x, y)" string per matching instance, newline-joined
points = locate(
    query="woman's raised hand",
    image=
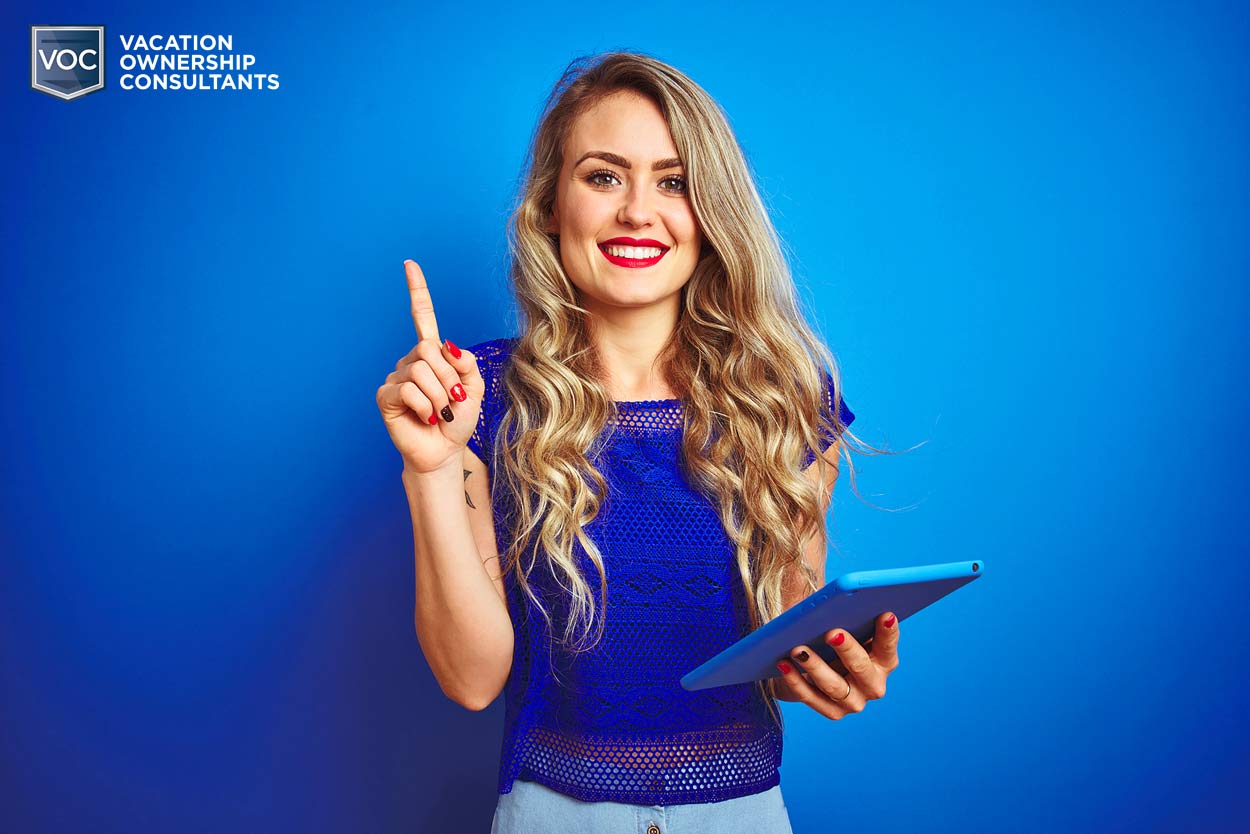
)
(430, 402)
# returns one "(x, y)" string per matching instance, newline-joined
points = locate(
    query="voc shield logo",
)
(67, 61)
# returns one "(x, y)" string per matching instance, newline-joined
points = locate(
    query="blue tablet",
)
(853, 602)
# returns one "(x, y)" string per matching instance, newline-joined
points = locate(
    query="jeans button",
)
(653, 829)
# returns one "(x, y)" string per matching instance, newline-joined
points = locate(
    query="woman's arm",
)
(794, 589)
(461, 612)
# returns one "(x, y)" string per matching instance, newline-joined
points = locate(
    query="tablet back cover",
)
(851, 602)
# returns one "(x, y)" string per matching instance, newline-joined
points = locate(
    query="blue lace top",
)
(621, 728)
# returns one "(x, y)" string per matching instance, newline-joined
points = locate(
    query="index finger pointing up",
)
(422, 304)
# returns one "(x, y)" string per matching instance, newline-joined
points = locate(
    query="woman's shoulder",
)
(494, 352)
(492, 358)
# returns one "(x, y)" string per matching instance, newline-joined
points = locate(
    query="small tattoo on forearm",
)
(466, 492)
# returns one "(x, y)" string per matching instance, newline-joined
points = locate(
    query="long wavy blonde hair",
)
(748, 369)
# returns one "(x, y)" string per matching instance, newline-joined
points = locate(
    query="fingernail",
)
(457, 393)
(802, 655)
(890, 622)
(433, 419)
(784, 667)
(451, 346)
(838, 639)
(447, 415)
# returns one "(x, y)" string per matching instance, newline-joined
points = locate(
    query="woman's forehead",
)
(626, 126)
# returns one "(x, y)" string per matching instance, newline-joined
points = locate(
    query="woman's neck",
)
(629, 343)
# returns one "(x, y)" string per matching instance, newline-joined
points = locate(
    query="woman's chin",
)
(635, 300)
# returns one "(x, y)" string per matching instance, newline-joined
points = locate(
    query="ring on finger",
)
(848, 689)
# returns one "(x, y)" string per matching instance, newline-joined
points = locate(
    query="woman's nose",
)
(636, 209)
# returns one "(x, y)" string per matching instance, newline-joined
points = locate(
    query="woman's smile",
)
(631, 253)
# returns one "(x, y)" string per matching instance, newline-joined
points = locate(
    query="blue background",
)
(1022, 228)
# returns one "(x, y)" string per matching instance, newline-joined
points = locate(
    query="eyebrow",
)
(617, 159)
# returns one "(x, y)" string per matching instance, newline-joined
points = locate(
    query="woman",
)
(645, 474)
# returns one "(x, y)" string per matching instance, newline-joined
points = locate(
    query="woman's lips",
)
(632, 263)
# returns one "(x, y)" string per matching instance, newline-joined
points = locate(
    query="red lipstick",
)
(632, 263)
(634, 241)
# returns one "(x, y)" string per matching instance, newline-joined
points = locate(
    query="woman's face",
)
(621, 178)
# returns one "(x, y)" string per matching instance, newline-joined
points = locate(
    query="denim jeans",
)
(533, 808)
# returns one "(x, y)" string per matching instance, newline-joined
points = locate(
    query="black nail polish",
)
(447, 415)
(801, 654)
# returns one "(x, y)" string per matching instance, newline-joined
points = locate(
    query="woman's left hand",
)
(829, 691)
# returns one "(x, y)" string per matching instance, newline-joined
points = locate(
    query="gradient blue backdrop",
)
(1021, 228)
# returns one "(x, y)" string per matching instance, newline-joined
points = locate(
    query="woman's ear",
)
(553, 221)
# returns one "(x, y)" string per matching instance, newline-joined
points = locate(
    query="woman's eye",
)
(597, 177)
(680, 183)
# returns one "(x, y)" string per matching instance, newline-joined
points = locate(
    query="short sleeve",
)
(491, 358)
(827, 437)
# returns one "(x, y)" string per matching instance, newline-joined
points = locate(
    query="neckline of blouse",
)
(640, 403)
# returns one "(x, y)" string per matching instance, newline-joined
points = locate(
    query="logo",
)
(67, 61)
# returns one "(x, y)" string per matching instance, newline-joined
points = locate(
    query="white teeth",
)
(634, 251)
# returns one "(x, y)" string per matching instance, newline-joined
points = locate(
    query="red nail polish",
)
(784, 667)
(433, 419)
(890, 622)
(451, 346)
(838, 639)
(457, 393)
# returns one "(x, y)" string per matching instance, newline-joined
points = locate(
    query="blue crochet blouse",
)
(621, 728)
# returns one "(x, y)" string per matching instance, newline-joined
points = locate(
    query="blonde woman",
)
(636, 481)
